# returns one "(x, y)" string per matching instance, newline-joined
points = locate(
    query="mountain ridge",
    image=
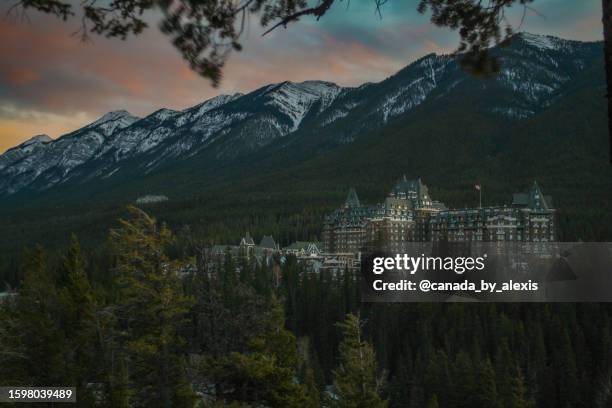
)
(314, 116)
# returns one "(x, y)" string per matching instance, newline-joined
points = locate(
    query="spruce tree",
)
(261, 375)
(312, 390)
(486, 389)
(78, 320)
(510, 382)
(39, 327)
(12, 352)
(400, 386)
(152, 308)
(565, 362)
(433, 402)
(464, 384)
(437, 379)
(357, 383)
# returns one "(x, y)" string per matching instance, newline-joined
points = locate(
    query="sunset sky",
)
(52, 83)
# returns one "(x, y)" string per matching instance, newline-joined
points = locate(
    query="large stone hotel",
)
(409, 214)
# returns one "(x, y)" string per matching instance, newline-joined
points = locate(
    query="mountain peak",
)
(212, 103)
(162, 114)
(112, 121)
(311, 86)
(36, 139)
(296, 99)
(16, 153)
(113, 116)
(32, 142)
(540, 41)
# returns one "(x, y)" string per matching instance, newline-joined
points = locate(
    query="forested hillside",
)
(102, 322)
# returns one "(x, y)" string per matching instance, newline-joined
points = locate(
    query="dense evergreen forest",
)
(150, 319)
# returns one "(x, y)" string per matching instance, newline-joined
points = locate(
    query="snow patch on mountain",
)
(415, 92)
(213, 122)
(24, 149)
(57, 158)
(109, 174)
(513, 112)
(113, 121)
(296, 100)
(541, 41)
(197, 111)
(36, 139)
(151, 199)
(162, 114)
(339, 113)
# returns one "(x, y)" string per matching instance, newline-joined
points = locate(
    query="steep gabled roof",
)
(304, 245)
(533, 199)
(299, 245)
(439, 205)
(267, 242)
(247, 240)
(411, 189)
(223, 249)
(352, 200)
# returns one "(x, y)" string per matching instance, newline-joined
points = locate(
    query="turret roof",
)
(267, 242)
(533, 199)
(351, 199)
(414, 189)
(247, 239)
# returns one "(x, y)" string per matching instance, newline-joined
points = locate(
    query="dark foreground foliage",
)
(157, 322)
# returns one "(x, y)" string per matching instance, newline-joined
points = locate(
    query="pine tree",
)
(229, 277)
(433, 402)
(39, 312)
(356, 381)
(263, 374)
(400, 386)
(510, 382)
(78, 320)
(12, 352)
(486, 389)
(517, 389)
(438, 379)
(566, 363)
(151, 311)
(312, 391)
(463, 373)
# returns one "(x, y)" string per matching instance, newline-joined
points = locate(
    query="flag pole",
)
(480, 196)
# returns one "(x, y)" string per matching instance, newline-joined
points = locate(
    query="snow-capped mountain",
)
(536, 70)
(26, 148)
(48, 162)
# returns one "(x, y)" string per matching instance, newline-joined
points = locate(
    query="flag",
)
(477, 186)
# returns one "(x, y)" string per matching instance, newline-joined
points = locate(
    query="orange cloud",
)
(21, 76)
(14, 132)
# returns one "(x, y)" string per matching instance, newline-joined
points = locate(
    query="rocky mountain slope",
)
(308, 117)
